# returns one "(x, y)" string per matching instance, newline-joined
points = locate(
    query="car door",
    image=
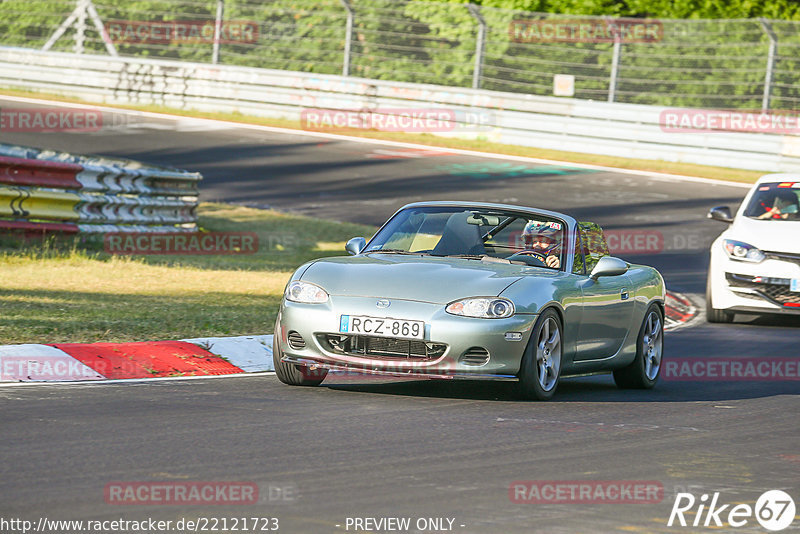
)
(607, 301)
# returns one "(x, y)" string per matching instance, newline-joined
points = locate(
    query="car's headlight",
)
(305, 292)
(488, 308)
(738, 250)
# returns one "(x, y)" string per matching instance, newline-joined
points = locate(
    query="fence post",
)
(773, 44)
(612, 82)
(479, 45)
(217, 30)
(98, 25)
(82, 8)
(80, 27)
(348, 38)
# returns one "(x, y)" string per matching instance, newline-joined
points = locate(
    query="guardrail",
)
(567, 124)
(56, 191)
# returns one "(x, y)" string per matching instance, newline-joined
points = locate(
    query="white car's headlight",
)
(488, 308)
(305, 292)
(738, 250)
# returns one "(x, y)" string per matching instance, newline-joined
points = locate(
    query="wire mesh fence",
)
(731, 64)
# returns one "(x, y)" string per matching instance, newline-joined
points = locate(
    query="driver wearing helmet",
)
(541, 242)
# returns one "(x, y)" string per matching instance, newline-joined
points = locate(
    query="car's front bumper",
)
(461, 336)
(762, 287)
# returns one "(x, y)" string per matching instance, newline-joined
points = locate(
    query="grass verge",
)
(480, 145)
(72, 291)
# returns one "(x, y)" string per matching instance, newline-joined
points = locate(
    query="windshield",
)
(775, 202)
(473, 233)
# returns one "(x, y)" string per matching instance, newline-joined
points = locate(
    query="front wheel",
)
(713, 315)
(289, 373)
(643, 372)
(540, 369)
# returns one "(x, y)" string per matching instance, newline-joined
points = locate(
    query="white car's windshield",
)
(470, 232)
(775, 202)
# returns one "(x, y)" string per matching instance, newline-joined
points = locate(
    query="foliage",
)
(701, 59)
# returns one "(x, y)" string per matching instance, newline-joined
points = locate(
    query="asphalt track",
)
(360, 447)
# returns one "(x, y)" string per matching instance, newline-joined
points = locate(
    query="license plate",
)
(795, 285)
(381, 326)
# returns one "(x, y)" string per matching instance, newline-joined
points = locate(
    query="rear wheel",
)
(292, 374)
(643, 372)
(540, 369)
(714, 315)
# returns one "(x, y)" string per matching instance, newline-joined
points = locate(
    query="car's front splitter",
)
(313, 365)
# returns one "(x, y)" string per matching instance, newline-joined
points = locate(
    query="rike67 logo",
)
(774, 510)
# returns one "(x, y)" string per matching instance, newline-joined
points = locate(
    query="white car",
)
(755, 264)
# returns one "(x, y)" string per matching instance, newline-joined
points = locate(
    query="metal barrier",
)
(624, 130)
(56, 191)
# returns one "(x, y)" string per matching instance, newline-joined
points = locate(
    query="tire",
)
(714, 315)
(643, 372)
(289, 373)
(540, 369)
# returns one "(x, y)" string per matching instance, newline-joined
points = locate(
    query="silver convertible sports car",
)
(477, 291)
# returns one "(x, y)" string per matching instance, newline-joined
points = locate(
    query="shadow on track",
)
(599, 389)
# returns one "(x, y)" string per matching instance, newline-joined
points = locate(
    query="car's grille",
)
(383, 348)
(784, 256)
(776, 290)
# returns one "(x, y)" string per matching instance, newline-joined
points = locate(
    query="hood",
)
(426, 279)
(772, 236)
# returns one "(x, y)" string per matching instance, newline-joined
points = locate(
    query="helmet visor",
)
(539, 241)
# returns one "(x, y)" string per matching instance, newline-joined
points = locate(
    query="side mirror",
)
(608, 266)
(721, 213)
(355, 245)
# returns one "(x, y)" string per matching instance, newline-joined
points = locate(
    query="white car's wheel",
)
(714, 315)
